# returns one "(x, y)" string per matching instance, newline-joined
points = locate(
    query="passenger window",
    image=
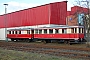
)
(19, 32)
(51, 31)
(82, 30)
(28, 31)
(9, 32)
(15, 32)
(75, 30)
(64, 31)
(56, 31)
(45, 31)
(32, 31)
(79, 30)
(40, 31)
(12, 32)
(36, 31)
(72, 30)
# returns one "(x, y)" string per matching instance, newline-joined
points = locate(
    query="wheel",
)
(48, 41)
(65, 42)
(12, 39)
(44, 41)
(68, 42)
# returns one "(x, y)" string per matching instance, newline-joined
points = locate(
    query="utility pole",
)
(5, 21)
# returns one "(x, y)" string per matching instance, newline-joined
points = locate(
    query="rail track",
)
(72, 52)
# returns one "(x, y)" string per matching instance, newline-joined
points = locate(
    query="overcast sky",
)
(15, 5)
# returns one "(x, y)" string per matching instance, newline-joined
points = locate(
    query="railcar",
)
(47, 34)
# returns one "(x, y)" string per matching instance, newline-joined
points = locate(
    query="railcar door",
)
(32, 34)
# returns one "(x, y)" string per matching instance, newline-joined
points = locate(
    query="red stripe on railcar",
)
(57, 36)
(19, 35)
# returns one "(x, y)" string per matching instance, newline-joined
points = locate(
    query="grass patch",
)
(19, 55)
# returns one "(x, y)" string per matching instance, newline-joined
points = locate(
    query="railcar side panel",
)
(59, 36)
(19, 36)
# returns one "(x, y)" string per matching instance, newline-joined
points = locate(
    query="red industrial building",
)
(73, 16)
(45, 15)
(53, 13)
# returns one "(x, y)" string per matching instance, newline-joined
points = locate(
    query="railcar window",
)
(79, 30)
(56, 30)
(12, 32)
(15, 32)
(36, 31)
(9, 32)
(28, 31)
(45, 31)
(19, 32)
(64, 31)
(40, 31)
(32, 31)
(50, 31)
(72, 30)
(75, 30)
(82, 30)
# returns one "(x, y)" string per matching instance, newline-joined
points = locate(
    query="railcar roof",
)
(54, 27)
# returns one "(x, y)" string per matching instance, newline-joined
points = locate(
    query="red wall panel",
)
(59, 13)
(53, 13)
(79, 9)
(33, 16)
(2, 21)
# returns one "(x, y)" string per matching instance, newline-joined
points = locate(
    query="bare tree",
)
(86, 18)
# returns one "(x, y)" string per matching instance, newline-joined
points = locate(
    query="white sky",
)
(15, 5)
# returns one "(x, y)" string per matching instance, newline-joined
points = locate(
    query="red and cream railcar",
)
(47, 34)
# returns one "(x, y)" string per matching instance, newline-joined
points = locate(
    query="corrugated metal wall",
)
(53, 13)
(2, 21)
(59, 13)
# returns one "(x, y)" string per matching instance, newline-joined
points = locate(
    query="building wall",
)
(53, 13)
(72, 20)
(75, 16)
(59, 13)
(2, 34)
(2, 22)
